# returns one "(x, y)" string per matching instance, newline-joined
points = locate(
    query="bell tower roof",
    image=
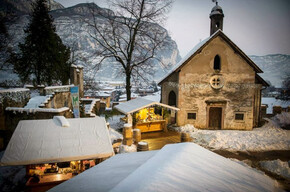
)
(217, 10)
(216, 18)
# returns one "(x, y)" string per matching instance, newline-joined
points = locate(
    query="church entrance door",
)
(215, 117)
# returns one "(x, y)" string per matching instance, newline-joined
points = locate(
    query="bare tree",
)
(132, 35)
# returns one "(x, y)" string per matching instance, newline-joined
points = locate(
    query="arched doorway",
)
(172, 102)
(172, 99)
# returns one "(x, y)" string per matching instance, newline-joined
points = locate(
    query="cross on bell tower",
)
(216, 16)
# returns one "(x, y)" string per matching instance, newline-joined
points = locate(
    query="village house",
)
(216, 85)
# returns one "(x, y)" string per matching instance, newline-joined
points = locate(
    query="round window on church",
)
(216, 82)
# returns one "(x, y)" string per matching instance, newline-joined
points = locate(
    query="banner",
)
(74, 92)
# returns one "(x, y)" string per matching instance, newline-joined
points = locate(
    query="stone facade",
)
(217, 87)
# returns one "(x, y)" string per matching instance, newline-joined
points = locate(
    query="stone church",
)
(216, 85)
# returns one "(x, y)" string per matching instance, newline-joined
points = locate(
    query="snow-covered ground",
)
(116, 122)
(115, 135)
(267, 138)
(277, 167)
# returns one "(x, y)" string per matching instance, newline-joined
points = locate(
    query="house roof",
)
(58, 140)
(176, 167)
(198, 48)
(260, 80)
(138, 104)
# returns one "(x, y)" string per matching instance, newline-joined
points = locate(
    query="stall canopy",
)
(138, 104)
(58, 140)
(176, 167)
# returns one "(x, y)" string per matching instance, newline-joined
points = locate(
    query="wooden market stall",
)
(55, 150)
(145, 114)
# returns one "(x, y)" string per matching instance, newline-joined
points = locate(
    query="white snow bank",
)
(269, 137)
(176, 167)
(277, 167)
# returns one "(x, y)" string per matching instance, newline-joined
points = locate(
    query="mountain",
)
(276, 67)
(22, 7)
(71, 26)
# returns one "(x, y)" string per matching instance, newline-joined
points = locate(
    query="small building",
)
(216, 85)
(146, 115)
(55, 150)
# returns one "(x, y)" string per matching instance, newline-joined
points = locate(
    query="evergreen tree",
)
(42, 57)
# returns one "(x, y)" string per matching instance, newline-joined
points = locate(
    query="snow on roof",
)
(102, 94)
(34, 110)
(58, 87)
(138, 104)
(198, 47)
(176, 167)
(187, 56)
(13, 90)
(46, 141)
(155, 97)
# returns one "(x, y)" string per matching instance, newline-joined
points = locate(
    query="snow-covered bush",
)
(278, 167)
(283, 120)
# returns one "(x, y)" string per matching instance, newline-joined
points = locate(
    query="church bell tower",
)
(216, 19)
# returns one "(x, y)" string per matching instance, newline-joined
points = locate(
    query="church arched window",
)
(217, 63)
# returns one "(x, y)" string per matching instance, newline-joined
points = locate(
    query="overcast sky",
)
(258, 27)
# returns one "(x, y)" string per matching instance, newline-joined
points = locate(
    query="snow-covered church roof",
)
(138, 104)
(58, 140)
(198, 48)
(176, 167)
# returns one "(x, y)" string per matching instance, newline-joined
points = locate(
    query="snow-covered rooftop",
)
(58, 140)
(155, 97)
(138, 104)
(176, 167)
(199, 47)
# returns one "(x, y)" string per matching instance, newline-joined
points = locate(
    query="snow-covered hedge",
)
(18, 95)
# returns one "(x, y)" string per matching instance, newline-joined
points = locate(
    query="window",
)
(217, 25)
(239, 116)
(191, 116)
(217, 63)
